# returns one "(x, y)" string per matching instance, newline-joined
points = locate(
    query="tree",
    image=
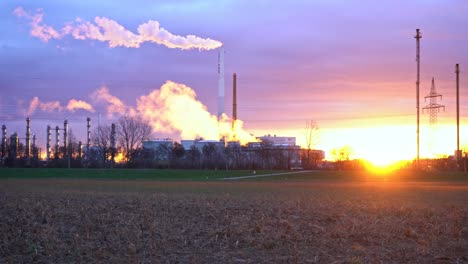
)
(101, 138)
(312, 134)
(131, 132)
(342, 155)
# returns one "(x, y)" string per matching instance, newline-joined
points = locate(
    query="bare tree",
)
(101, 138)
(132, 131)
(312, 135)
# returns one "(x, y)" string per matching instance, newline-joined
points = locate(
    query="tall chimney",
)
(28, 138)
(418, 63)
(49, 135)
(220, 82)
(57, 141)
(457, 71)
(88, 136)
(4, 140)
(234, 99)
(65, 137)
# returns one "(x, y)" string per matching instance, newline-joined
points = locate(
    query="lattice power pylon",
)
(433, 107)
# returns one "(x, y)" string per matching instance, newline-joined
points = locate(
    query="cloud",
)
(38, 29)
(107, 30)
(74, 105)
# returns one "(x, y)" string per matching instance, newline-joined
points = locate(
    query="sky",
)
(348, 65)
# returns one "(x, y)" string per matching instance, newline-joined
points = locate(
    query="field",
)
(318, 217)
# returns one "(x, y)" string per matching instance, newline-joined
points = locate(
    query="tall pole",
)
(220, 82)
(48, 146)
(418, 37)
(234, 99)
(28, 137)
(457, 71)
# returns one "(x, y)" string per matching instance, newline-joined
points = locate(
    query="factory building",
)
(278, 141)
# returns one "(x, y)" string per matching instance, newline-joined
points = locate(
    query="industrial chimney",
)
(234, 99)
(65, 137)
(220, 82)
(49, 134)
(4, 140)
(28, 138)
(88, 137)
(57, 141)
(457, 76)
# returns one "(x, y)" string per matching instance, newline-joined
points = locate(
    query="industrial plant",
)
(100, 148)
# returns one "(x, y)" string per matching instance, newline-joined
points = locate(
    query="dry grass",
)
(89, 221)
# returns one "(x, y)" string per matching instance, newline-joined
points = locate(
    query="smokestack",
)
(4, 140)
(457, 71)
(234, 99)
(28, 137)
(49, 135)
(88, 137)
(57, 141)
(65, 137)
(220, 82)
(418, 62)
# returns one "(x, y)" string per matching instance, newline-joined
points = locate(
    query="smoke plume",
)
(174, 108)
(115, 105)
(107, 30)
(44, 106)
(74, 105)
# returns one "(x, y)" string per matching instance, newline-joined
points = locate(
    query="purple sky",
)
(337, 62)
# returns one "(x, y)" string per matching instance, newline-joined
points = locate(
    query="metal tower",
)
(433, 107)
(417, 37)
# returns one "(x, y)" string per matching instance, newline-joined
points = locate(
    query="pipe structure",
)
(14, 145)
(88, 136)
(28, 138)
(57, 141)
(220, 82)
(4, 141)
(49, 135)
(457, 72)
(65, 137)
(417, 37)
(80, 146)
(34, 149)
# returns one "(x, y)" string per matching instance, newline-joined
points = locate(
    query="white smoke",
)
(174, 108)
(114, 104)
(72, 106)
(107, 30)
(44, 106)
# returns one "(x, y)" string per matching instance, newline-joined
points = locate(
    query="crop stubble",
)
(67, 221)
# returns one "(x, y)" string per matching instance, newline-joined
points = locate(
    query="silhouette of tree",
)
(131, 132)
